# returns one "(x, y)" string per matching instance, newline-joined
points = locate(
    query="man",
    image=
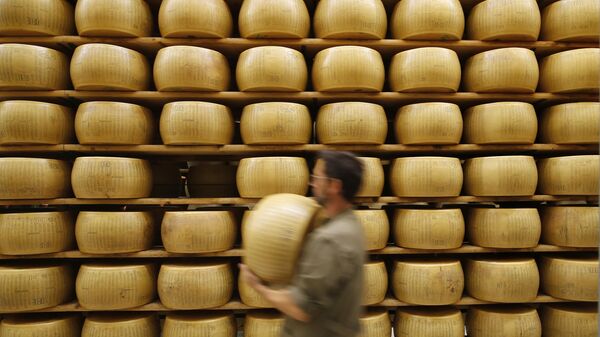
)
(324, 298)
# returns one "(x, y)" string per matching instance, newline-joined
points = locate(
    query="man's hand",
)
(249, 277)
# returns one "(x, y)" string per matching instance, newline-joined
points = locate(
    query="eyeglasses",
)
(315, 177)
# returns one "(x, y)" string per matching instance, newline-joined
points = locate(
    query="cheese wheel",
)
(429, 69)
(571, 21)
(36, 233)
(570, 278)
(43, 326)
(493, 321)
(508, 20)
(199, 19)
(166, 180)
(114, 232)
(188, 68)
(25, 67)
(261, 324)
(375, 282)
(569, 175)
(198, 232)
(348, 68)
(36, 18)
(428, 282)
(426, 177)
(570, 320)
(504, 280)
(118, 18)
(572, 71)
(428, 123)
(27, 288)
(504, 70)
(500, 176)
(114, 123)
(35, 123)
(350, 19)
(191, 325)
(428, 20)
(275, 123)
(34, 178)
(195, 286)
(196, 123)
(351, 123)
(251, 297)
(372, 181)
(430, 322)
(211, 180)
(260, 176)
(504, 227)
(271, 68)
(376, 227)
(105, 67)
(121, 324)
(500, 123)
(571, 226)
(375, 323)
(571, 123)
(274, 232)
(429, 228)
(273, 19)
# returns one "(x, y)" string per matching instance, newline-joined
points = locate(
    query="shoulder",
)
(343, 233)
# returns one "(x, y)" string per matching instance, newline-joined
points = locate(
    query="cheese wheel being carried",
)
(121, 324)
(570, 226)
(375, 283)
(35, 123)
(351, 123)
(569, 175)
(348, 68)
(507, 20)
(36, 18)
(570, 320)
(500, 176)
(198, 231)
(260, 176)
(500, 123)
(429, 322)
(271, 68)
(571, 123)
(26, 67)
(62, 325)
(263, 324)
(36, 233)
(428, 123)
(199, 19)
(196, 123)
(504, 227)
(34, 178)
(350, 19)
(572, 71)
(570, 278)
(376, 227)
(429, 69)
(275, 123)
(273, 19)
(428, 282)
(118, 18)
(429, 228)
(571, 21)
(426, 177)
(188, 325)
(495, 321)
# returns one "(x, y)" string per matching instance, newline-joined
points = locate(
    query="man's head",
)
(336, 174)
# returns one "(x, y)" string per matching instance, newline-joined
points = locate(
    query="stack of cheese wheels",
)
(500, 123)
(119, 18)
(36, 233)
(572, 71)
(428, 123)
(498, 321)
(428, 20)
(500, 176)
(214, 325)
(429, 322)
(426, 177)
(429, 69)
(429, 228)
(114, 232)
(504, 227)
(375, 323)
(111, 178)
(351, 123)
(166, 180)
(63, 325)
(375, 280)
(571, 21)
(376, 227)
(428, 282)
(196, 123)
(570, 278)
(188, 68)
(195, 286)
(34, 287)
(348, 68)
(505, 70)
(274, 19)
(275, 123)
(114, 123)
(115, 286)
(571, 123)
(350, 19)
(512, 20)
(261, 176)
(570, 320)
(25, 67)
(98, 66)
(35, 123)
(571, 226)
(372, 178)
(569, 175)
(274, 232)
(204, 19)
(198, 232)
(271, 68)
(34, 178)
(34, 17)
(211, 180)
(263, 324)
(505, 280)
(122, 324)
(251, 297)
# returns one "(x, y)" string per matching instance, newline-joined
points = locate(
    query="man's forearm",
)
(284, 302)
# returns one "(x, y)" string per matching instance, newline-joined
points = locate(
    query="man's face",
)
(320, 183)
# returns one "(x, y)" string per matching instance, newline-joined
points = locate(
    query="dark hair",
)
(345, 167)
